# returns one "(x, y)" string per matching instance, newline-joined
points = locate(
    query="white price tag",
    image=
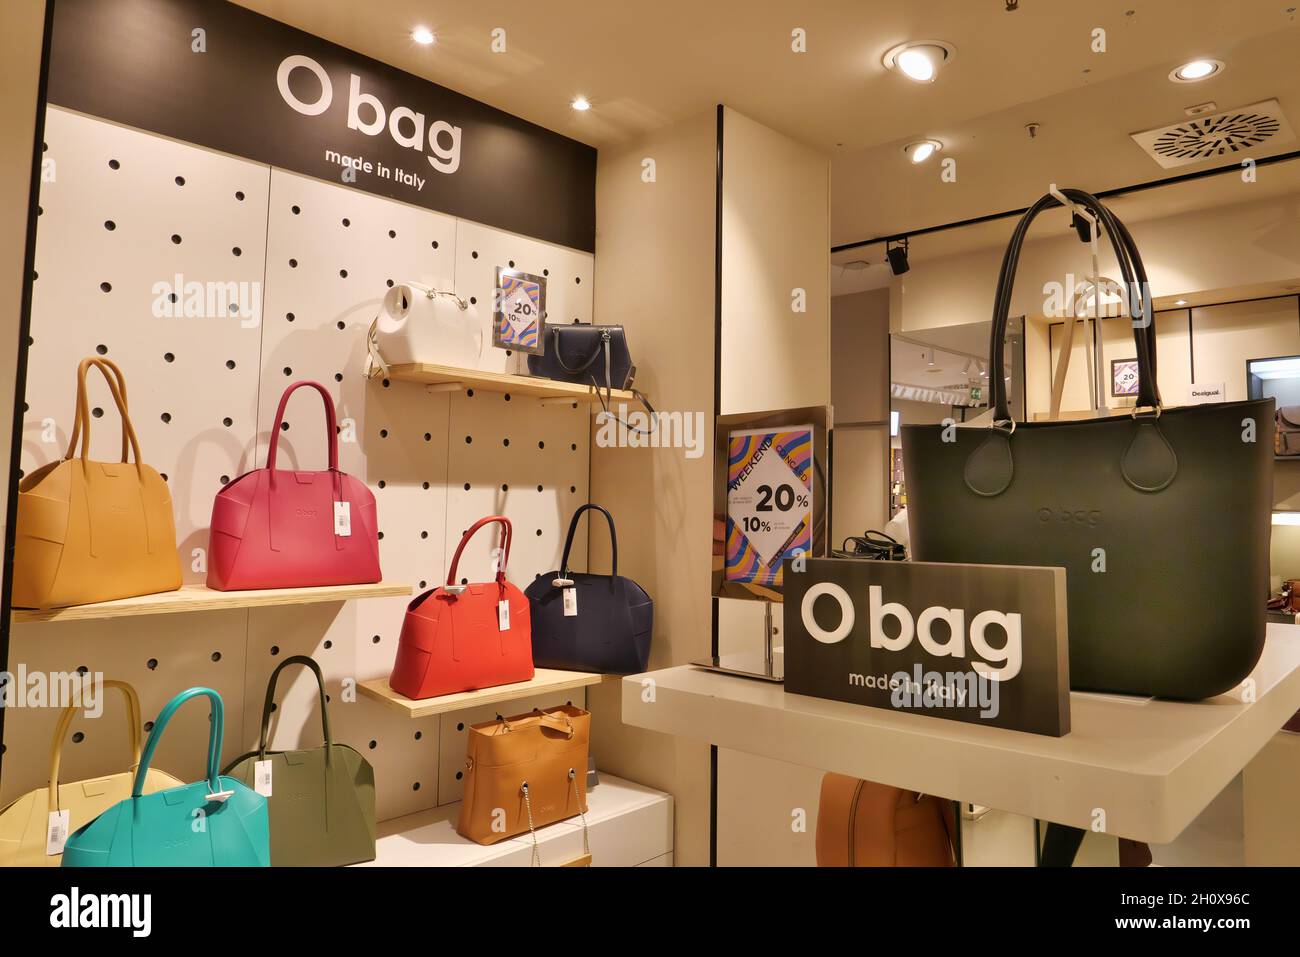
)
(262, 778)
(570, 603)
(343, 519)
(503, 615)
(56, 835)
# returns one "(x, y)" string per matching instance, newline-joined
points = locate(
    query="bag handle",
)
(77, 423)
(65, 722)
(217, 718)
(1135, 283)
(270, 701)
(586, 363)
(573, 528)
(331, 425)
(81, 423)
(555, 720)
(464, 540)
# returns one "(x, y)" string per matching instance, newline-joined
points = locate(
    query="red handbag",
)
(274, 528)
(463, 637)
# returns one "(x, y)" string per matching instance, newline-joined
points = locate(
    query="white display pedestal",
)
(1149, 766)
(629, 825)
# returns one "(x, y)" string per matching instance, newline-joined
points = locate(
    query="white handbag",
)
(418, 323)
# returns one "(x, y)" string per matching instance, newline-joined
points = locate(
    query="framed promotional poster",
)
(519, 315)
(1123, 377)
(769, 502)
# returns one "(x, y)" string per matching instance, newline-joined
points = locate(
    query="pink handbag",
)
(274, 528)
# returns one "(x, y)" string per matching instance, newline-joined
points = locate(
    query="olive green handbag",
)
(321, 800)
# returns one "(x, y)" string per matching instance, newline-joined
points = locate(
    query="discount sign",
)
(769, 501)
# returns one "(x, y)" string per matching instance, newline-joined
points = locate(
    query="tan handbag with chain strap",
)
(25, 824)
(525, 772)
(94, 531)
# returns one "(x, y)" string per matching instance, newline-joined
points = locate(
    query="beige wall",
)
(654, 274)
(1208, 250)
(775, 239)
(860, 395)
(22, 24)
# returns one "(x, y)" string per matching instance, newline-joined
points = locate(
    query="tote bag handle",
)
(217, 719)
(331, 425)
(573, 528)
(270, 701)
(1135, 282)
(81, 423)
(65, 722)
(464, 540)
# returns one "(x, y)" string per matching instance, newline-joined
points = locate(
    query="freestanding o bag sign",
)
(977, 643)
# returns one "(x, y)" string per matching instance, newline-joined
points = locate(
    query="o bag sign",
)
(445, 159)
(978, 643)
(223, 77)
(954, 644)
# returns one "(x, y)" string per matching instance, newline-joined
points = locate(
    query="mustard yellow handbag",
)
(24, 824)
(94, 531)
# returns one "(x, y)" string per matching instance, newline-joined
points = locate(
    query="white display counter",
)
(1148, 766)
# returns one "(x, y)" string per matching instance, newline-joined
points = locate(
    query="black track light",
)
(897, 256)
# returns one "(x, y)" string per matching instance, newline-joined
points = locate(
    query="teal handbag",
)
(217, 822)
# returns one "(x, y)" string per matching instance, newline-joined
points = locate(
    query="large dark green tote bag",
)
(322, 800)
(1160, 517)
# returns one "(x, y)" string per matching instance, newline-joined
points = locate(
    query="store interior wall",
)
(776, 349)
(860, 397)
(656, 236)
(22, 25)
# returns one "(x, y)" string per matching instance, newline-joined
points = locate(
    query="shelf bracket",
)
(562, 400)
(435, 388)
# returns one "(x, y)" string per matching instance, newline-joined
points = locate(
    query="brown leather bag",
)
(864, 824)
(525, 772)
(94, 531)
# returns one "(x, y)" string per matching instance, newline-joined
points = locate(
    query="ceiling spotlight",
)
(1196, 70)
(581, 104)
(1180, 302)
(920, 60)
(897, 256)
(984, 371)
(922, 150)
(930, 365)
(423, 36)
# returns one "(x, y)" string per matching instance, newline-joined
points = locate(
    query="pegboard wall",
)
(130, 221)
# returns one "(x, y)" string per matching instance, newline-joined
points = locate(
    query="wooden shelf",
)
(449, 379)
(544, 680)
(201, 598)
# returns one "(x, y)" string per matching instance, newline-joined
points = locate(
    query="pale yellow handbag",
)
(94, 531)
(24, 824)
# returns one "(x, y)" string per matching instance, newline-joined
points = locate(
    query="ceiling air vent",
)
(1231, 134)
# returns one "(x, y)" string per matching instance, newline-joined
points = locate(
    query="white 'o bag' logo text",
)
(406, 126)
(999, 664)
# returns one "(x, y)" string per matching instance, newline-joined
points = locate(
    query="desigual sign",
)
(980, 643)
(221, 76)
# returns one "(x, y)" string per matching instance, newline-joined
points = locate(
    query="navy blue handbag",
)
(589, 622)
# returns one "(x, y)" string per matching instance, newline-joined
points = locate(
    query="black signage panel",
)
(979, 643)
(217, 75)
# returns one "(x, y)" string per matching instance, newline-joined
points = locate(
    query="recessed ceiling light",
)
(423, 36)
(1196, 70)
(922, 150)
(1180, 302)
(581, 104)
(920, 60)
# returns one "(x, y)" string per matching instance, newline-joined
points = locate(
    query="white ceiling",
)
(647, 66)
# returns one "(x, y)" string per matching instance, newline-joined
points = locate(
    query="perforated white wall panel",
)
(203, 392)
